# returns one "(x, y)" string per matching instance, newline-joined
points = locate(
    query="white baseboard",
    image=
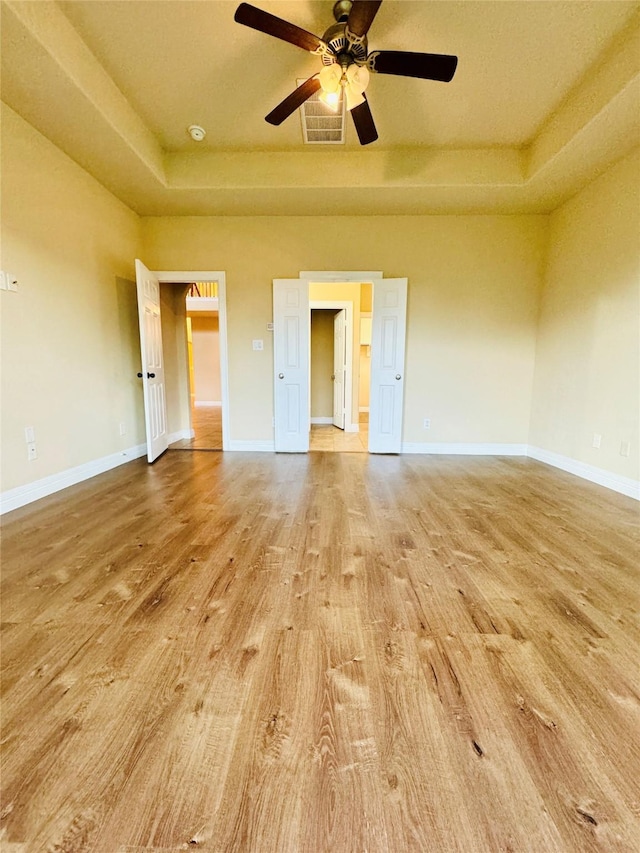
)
(615, 482)
(23, 495)
(363, 409)
(465, 449)
(204, 404)
(251, 446)
(181, 435)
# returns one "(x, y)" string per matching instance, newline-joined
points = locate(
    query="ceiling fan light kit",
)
(347, 64)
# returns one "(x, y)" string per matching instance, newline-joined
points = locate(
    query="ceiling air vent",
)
(321, 125)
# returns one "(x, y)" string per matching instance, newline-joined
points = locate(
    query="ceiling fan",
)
(346, 62)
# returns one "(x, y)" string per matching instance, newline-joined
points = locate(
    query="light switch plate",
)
(8, 281)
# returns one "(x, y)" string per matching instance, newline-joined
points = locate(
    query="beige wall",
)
(366, 297)
(206, 358)
(473, 300)
(322, 363)
(364, 377)
(364, 356)
(587, 376)
(70, 343)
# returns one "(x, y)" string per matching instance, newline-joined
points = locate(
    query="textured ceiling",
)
(115, 83)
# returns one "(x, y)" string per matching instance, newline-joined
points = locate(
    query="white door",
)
(387, 365)
(339, 368)
(291, 364)
(155, 410)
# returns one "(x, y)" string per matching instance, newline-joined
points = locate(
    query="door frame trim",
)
(219, 276)
(339, 305)
(336, 276)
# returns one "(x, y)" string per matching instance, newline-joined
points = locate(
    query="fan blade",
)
(264, 22)
(293, 101)
(428, 66)
(361, 16)
(363, 121)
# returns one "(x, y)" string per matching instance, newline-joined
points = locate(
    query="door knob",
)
(139, 376)
(153, 376)
(398, 376)
(281, 376)
(333, 376)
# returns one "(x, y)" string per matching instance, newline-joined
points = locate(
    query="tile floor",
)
(334, 440)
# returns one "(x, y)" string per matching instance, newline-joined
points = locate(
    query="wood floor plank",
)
(333, 652)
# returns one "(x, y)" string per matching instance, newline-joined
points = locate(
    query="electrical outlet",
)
(625, 448)
(427, 423)
(32, 453)
(29, 435)
(258, 345)
(597, 440)
(123, 429)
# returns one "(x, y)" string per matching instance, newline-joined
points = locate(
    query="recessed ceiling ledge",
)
(47, 24)
(609, 88)
(411, 167)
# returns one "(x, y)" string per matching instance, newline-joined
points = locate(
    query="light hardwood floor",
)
(206, 422)
(330, 652)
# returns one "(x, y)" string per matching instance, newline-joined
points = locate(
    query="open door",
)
(339, 368)
(291, 364)
(155, 412)
(387, 365)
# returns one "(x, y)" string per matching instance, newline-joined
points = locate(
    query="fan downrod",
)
(341, 10)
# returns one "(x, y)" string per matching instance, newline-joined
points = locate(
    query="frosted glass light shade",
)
(330, 78)
(354, 98)
(358, 78)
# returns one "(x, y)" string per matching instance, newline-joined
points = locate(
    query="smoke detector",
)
(196, 132)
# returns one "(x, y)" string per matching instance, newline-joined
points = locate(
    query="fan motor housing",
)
(337, 40)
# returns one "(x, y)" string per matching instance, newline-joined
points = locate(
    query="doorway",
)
(292, 300)
(202, 327)
(336, 422)
(194, 332)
